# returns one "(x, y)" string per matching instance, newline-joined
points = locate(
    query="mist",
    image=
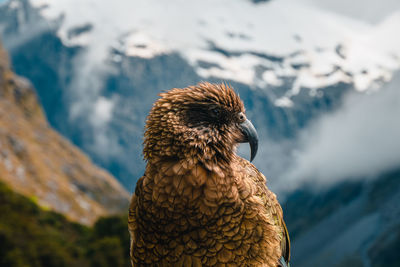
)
(358, 141)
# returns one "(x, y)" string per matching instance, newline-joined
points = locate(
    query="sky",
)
(372, 11)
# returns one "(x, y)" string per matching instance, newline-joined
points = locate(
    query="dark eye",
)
(215, 112)
(241, 116)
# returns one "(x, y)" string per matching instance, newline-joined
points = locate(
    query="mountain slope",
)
(349, 224)
(38, 162)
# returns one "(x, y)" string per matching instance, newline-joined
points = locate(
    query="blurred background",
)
(320, 80)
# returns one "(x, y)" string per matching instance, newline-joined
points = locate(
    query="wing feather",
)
(272, 205)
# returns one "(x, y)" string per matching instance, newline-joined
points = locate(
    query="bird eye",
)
(241, 116)
(215, 112)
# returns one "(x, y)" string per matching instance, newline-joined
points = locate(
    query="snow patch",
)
(142, 45)
(284, 102)
(270, 78)
(238, 42)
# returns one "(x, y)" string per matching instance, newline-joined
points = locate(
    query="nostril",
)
(241, 117)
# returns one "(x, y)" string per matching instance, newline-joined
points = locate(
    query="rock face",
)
(350, 224)
(36, 161)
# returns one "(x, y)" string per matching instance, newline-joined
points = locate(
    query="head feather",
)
(171, 133)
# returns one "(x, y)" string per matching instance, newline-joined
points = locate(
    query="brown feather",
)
(198, 203)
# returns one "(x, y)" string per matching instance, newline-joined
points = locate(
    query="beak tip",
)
(251, 134)
(253, 152)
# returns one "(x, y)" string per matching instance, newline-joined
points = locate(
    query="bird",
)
(198, 202)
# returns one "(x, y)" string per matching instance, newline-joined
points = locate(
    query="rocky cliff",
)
(37, 162)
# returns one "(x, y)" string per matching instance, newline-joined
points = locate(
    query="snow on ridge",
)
(139, 44)
(235, 37)
(283, 102)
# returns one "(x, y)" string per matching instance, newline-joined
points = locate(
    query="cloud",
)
(360, 140)
(372, 11)
(103, 110)
(89, 106)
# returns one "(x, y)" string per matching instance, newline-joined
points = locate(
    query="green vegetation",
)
(31, 236)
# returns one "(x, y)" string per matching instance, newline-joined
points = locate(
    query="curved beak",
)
(251, 136)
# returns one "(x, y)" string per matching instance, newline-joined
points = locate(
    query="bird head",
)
(202, 123)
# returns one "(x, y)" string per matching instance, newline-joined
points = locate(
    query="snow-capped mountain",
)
(283, 38)
(307, 70)
(105, 63)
